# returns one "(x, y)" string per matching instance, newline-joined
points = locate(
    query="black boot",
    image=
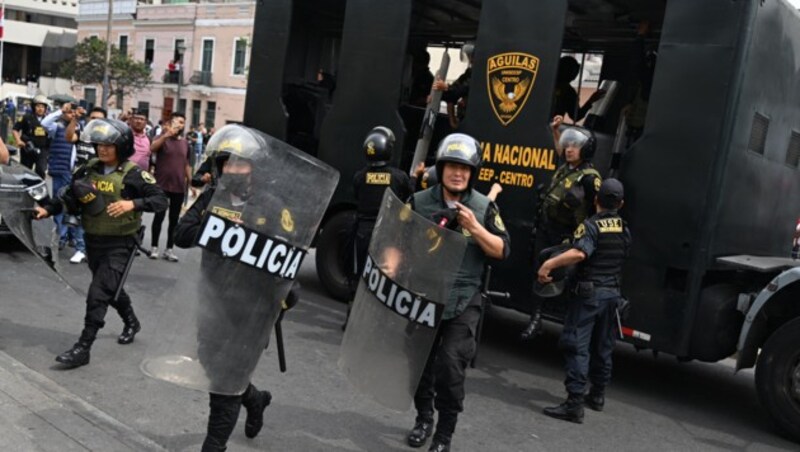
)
(437, 446)
(571, 410)
(132, 326)
(418, 436)
(534, 327)
(77, 356)
(255, 402)
(596, 399)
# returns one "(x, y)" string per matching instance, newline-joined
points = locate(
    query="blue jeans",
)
(588, 339)
(66, 232)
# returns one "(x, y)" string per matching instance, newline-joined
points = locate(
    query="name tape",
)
(236, 242)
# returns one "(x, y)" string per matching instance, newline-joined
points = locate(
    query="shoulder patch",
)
(498, 223)
(148, 177)
(580, 232)
(597, 183)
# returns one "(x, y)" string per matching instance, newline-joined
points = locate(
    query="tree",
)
(126, 75)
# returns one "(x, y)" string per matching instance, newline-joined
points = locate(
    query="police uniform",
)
(588, 337)
(442, 383)
(369, 185)
(32, 131)
(223, 409)
(109, 241)
(568, 201)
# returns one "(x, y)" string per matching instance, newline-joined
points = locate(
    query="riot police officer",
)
(110, 193)
(32, 138)
(601, 244)
(567, 201)
(369, 184)
(456, 204)
(220, 275)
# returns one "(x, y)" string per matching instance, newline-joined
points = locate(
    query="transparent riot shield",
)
(248, 249)
(19, 188)
(397, 310)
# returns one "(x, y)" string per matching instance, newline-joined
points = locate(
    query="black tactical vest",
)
(370, 184)
(603, 268)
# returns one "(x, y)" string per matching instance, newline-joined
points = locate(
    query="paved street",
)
(653, 405)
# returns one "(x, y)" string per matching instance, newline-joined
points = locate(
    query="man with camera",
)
(60, 162)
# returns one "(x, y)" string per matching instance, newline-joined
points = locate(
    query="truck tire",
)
(332, 254)
(778, 378)
(717, 324)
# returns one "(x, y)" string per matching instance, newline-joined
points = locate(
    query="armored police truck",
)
(698, 118)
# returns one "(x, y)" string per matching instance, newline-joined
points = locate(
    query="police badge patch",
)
(580, 232)
(510, 78)
(148, 177)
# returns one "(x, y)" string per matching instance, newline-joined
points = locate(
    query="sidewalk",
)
(36, 414)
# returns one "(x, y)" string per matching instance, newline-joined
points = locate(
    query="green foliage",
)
(126, 75)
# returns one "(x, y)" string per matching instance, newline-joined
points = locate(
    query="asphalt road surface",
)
(654, 404)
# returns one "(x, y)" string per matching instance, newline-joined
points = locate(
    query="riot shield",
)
(410, 269)
(19, 189)
(248, 248)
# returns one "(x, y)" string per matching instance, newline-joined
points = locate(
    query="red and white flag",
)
(2, 19)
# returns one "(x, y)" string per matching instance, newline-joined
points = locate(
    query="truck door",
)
(511, 91)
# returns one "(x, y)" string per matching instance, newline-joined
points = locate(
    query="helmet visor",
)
(100, 132)
(573, 137)
(233, 140)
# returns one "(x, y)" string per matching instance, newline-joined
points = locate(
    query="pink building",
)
(204, 44)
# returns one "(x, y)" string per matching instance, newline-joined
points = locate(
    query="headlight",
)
(38, 192)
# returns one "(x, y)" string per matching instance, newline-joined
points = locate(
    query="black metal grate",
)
(758, 134)
(793, 152)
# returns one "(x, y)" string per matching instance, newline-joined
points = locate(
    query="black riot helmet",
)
(232, 139)
(110, 131)
(560, 275)
(459, 148)
(242, 144)
(581, 138)
(378, 146)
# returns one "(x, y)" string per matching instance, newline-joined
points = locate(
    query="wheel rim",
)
(794, 377)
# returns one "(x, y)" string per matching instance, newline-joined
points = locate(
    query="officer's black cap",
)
(87, 195)
(611, 193)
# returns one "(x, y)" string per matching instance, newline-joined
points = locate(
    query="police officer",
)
(601, 244)
(31, 137)
(473, 214)
(110, 193)
(566, 202)
(220, 275)
(456, 94)
(369, 184)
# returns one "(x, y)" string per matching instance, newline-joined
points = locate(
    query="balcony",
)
(201, 78)
(170, 76)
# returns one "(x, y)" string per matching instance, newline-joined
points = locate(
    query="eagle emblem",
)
(510, 78)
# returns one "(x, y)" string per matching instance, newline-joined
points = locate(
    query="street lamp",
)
(180, 49)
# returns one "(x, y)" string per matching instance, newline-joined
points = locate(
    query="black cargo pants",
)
(222, 417)
(588, 339)
(442, 382)
(107, 259)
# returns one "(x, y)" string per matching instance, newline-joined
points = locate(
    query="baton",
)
(486, 301)
(279, 343)
(136, 245)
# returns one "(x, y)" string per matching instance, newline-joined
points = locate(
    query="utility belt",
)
(588, 289)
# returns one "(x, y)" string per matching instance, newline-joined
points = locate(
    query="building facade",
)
(198, 53)
(38, 36)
